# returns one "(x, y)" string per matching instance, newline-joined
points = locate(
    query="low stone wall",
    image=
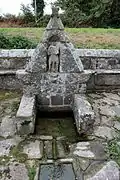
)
(100, 59)
(9, 80)
(103, 65)
(91, 58)
(104, 80)
(14, 59)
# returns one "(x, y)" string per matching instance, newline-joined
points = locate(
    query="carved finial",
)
(55, 11)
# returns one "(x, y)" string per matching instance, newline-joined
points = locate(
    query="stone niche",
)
(53, 76)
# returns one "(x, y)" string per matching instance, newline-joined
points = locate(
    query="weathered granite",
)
(109, 171)
(26, 115)
(8, 80)
(34, 150)
(55, 53)
(105, 132)
(18, 171)
(83, 113)
(91, 58)
(8, 127)
(69, 60)
(48, 149)
(7, 144)
(46, 138)
(89, 151)
(55, 71)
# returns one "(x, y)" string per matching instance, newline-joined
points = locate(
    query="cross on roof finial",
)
(55, 11)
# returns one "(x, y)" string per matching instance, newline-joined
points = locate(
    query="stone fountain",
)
(54, 80)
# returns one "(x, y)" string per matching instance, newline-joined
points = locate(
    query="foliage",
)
(15, 42)
(17, 153)
(98, 38)
(31, 173)
(43, 21)
(4, 42)
(39, 7)
(93, 13)
(28, 16)
(113, 150)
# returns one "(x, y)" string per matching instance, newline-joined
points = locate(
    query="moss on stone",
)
(4, 160)
(116, 118)
(5, 94)
(17, 153)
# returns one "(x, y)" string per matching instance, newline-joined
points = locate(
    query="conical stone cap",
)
(55, 22)
(55, 30)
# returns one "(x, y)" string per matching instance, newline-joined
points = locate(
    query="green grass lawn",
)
(80, 37)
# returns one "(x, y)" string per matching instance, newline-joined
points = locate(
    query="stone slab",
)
(26, 108)
(34, 150)
(26, 115)
(48, 149)
(83, 113)
(8, 127)
(6, 145)
(18, 171)
(109, 171)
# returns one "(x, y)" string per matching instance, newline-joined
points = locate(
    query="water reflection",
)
(57, 172)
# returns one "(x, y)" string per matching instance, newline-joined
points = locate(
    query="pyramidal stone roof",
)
(55, 27)
(55, 21)
(55, 53)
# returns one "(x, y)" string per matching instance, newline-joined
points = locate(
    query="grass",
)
(5, 95)
(31, 173)
(116, 118)
(98, 38)
(58, 124)
(16, 152)
(113, 150)
(113, 147)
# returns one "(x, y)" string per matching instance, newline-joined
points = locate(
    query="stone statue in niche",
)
(53, 60)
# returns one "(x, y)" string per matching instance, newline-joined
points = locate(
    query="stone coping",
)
(98, 53)
(16, 53)
(23, 53)
(5, 72)
(8, 72)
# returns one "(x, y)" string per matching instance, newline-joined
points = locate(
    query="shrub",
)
(4, 42)
(20, 42)
(15, 42)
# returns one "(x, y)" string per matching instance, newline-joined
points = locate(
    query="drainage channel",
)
(57, 162)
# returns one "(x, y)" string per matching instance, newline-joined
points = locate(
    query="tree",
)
(98, 13)
(28, 16)
(114, 19)
(38, 6)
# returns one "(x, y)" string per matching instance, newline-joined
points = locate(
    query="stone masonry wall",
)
(14, 59)
(91, 58)
(100, 59)
(103, 65)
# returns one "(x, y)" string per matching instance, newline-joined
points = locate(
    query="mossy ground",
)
(9, 103)
(58, 126)
(6, 95)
